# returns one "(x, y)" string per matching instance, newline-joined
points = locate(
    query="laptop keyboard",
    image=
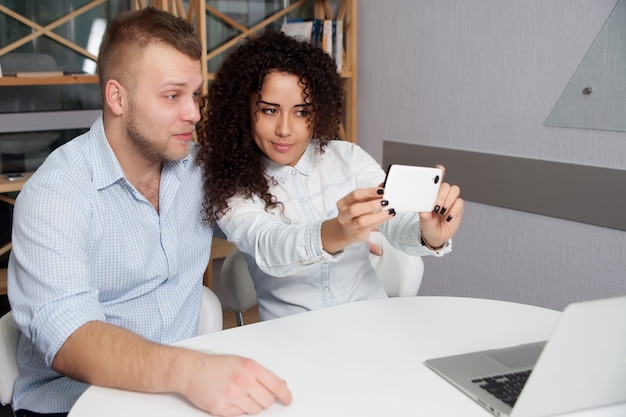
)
(506, 387)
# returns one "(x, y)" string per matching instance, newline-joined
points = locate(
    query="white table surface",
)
(361, 359)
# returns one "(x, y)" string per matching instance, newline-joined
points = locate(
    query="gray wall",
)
(482, 76)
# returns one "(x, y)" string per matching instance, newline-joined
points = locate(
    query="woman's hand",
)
(359, 213)
(442, 223)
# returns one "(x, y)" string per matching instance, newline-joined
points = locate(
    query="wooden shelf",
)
(7, 186)
(60, 80)
(197, 14)
(3, 281)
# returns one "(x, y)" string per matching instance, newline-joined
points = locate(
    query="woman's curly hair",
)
(232, 162)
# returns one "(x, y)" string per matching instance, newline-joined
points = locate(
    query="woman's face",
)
(280, 124)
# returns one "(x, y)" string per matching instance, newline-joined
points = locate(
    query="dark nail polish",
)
(443, 211)
(392, 211)
(436, 209)
(380, 191)
(449, 218)
(384, 203)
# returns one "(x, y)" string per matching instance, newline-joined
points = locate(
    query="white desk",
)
(360, 359)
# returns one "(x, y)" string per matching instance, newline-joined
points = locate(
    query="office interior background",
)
(483, 76)
(473, 75)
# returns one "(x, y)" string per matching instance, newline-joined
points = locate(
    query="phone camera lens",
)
(436, 179)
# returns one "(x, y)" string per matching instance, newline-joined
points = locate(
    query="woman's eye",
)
(302, 113)
(268, 110)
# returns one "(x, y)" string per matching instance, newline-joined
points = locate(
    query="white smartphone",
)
(412, 188)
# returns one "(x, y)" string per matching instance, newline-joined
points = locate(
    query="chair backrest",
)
(210, 321)
(9, 336)
(238, 293)
(400, 274)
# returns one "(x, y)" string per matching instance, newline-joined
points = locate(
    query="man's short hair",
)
(129, 33)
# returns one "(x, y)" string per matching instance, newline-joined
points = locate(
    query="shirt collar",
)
(107, 169)
(280, 172)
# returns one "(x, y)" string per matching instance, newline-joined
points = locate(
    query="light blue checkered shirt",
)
(88, 246)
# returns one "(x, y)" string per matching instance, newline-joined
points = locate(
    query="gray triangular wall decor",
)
(595, 97)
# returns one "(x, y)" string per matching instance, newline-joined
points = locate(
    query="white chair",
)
(401, 276)
(9, 335)
(211, 316)
(210, 321)
(238, 293)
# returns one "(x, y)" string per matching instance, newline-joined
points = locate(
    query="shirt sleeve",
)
(278, 247)
(404, 233)
(50, 288)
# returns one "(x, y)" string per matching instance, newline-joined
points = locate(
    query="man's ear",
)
(115, 96)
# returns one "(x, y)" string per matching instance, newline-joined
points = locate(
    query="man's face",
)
(162, 109)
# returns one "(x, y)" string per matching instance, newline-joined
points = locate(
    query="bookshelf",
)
(322, 9)
(197, 13)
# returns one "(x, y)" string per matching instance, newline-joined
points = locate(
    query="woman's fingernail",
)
(380, 191)
(384, 203)
(436, 209)
(392, 211)
(443, 211)
(449, 218)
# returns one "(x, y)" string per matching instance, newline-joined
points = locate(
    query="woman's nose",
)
(283, 126)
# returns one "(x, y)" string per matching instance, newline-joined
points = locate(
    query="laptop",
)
(582, 366)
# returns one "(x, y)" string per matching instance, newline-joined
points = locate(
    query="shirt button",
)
(294, 172)
(326, 289)
(303, 200)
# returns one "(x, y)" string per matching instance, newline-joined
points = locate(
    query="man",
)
(109, 244)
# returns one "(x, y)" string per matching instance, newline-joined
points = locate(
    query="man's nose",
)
(191, 111)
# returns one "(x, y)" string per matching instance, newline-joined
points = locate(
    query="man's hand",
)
(224, 385)
(227, 385)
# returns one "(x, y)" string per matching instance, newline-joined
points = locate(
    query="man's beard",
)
(143, 145)
(148, 149)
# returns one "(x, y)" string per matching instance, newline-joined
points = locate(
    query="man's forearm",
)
(107, 355)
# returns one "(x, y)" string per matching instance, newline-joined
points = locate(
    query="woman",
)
(297, 202)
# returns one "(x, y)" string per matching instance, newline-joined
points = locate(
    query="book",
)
(318, 32)
(301, 30)
(338, 44)
(327, 37)
(326, 34)
(31, 74)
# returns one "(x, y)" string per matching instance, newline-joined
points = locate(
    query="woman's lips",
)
(282, 147)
